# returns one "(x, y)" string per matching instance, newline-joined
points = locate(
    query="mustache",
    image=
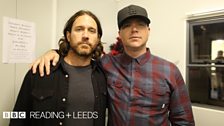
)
(84, 42)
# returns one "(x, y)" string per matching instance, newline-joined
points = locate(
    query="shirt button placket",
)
(63, 100)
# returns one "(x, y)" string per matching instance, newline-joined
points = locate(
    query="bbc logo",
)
(14, 115)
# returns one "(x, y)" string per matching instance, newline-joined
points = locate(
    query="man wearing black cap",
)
(144, 90)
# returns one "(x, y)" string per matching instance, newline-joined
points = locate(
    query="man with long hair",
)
(75, 93)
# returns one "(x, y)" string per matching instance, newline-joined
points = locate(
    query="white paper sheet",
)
(19, 38)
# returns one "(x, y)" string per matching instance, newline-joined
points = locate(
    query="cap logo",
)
(131, 11)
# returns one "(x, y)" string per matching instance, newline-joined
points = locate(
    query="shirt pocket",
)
(115, 88)
(42, 95)
(43, 100)
(154, 96)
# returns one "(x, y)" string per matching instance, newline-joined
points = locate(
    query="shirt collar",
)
(141, 60)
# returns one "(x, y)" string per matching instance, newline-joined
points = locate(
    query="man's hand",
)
(44, 61)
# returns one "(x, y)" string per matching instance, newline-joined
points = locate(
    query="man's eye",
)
(92, 30)
(142, 24)
(78, 29)
(126, 25)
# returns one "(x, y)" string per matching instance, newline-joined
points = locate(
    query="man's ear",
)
(149, 28)
(68, 35)
(119, 34)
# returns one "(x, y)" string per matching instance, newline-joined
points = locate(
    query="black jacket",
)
(49, 94)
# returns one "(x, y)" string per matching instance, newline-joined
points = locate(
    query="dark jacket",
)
(49, 94)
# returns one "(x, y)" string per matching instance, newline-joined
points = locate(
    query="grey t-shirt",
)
(80, 102)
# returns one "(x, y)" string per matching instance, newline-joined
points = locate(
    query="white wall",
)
(39, 12)
(168, 39)
(6, 82)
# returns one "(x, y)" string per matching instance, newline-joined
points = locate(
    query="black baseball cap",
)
(132, 11)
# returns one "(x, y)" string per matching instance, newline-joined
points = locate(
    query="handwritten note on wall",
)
(19, 38)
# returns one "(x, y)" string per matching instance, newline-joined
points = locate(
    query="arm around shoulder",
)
(44, 62)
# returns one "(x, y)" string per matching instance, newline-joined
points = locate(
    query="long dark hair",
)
(63, 43)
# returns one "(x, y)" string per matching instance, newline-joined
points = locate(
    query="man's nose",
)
(85, 35)
(134, 28)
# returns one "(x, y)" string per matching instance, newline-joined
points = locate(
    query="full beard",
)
(83, 50)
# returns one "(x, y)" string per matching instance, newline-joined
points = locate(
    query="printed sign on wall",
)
(19, 38)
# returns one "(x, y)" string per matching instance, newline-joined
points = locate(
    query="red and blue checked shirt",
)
(146, 91)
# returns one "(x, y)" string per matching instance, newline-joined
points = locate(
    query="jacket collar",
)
(59, 64)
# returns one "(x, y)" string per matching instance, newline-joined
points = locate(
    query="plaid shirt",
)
(146, 91)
